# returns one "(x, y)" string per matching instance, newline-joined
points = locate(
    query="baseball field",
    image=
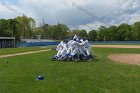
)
(115, 69)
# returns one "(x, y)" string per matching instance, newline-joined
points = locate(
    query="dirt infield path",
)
(116, 46)
(126, 58)
(24, 53)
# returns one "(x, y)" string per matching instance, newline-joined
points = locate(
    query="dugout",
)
(7, 42)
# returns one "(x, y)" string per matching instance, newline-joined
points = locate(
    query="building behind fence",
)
(7, 42)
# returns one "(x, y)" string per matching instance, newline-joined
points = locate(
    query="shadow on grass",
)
(95, 59)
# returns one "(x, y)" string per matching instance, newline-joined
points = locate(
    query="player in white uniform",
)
(87, 48)
(59, 49)
(69, 47)
(74, 49)
(63, 53)
(82, 52)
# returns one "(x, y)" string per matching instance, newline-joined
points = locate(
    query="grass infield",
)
(99, 76)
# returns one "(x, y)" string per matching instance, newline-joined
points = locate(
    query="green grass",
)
(100, 76)
(4, 51)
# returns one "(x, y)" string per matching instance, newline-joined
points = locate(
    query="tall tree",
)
(103, 34)
(12, 27)
(80, 33)
(136, 31)
(92, 35)
(59, 31)
(25, 26)
(124, 32)
(8, 28)
(46, 31)
(3, 27)
(112, 34)
(62, 30)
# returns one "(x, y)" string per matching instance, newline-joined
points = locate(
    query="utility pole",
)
(43, 28)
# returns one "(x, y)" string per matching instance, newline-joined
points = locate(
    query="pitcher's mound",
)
(126, 58)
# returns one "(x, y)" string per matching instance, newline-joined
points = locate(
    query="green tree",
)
(70, 34)
(25, 26)
(3, 28)
(45, 31)
(12, 26)
(37, 32)
(112, 33)
(62, 30)
(103, 33)
(92, 35)
(136, 31)
(8, 28)
(124, 32)
(83, 33)
(80, 33)
(58, 32)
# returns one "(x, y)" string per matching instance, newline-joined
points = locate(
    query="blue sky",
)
(14, 2)
(77, 14)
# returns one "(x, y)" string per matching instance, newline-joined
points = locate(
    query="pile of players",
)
(73, 50)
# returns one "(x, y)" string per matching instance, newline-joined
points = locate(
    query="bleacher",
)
(7, 42)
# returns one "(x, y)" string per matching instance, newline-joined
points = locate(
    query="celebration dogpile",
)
(73, 50)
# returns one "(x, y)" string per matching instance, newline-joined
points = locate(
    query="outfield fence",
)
(36, 44)
(115, 42)
(29, 44)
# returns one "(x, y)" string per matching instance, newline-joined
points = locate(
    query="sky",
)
(77, 14)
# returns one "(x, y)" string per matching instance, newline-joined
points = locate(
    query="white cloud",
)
(90, 15)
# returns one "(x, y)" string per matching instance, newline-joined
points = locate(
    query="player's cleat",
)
(89, 60)
(53, 48)
(54, 58)
(76, 60)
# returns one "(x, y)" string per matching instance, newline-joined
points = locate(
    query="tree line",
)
(123, 32)
(25, 27)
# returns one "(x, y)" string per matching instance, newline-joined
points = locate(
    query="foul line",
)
(24, 53)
